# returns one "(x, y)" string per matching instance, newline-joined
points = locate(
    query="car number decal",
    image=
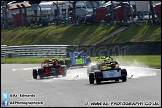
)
(111, 73)
(53, 70)
(79, 61)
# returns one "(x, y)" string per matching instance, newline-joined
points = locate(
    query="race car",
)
(105, 71)
(50, 68)
(77, 59)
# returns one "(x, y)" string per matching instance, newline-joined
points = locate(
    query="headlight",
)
(89, 13)
(87, 16)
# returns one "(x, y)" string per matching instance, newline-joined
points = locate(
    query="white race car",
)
(111, 71)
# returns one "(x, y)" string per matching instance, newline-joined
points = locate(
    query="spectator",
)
(140, 14)
(70, 9)
(70, 14)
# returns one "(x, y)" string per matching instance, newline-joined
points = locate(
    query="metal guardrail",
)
(35, 50)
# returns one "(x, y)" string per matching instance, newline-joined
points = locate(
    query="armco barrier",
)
(128, 48)
(35, 50)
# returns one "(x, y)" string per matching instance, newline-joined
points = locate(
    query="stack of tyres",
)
(68, 62)
(157, 9)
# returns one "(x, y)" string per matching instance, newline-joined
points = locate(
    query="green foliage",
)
(137, 33)
(78, 35)
(56, 35)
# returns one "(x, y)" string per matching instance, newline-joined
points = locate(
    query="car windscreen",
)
(79, 4)
(93, 4)
(89, 4)
(97, 4)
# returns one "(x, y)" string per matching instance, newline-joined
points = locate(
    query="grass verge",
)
(78, 35)
(152, 61)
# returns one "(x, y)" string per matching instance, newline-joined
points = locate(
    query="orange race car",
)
(50, 68)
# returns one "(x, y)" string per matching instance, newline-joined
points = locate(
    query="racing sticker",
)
(111, 73)
(79, 61)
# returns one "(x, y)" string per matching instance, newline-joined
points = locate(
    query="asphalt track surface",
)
(143, 89)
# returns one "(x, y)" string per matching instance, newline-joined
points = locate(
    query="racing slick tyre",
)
(35, 74)
(124, 79)
(116, 80)
(88, 70)
(91, 80)
(98, 81)
(40, 75)
(67, 63)
(61, 62)
(82, 65)
(64, 72)
(56, 75)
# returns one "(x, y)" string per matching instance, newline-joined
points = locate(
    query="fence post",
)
(131, 12)
(57, 12)
(21, 18)
(152, 12)
(5, 17)
(40, 14)
(112, 7)
(26, 16)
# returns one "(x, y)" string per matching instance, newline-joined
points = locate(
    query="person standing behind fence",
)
(70, 13)
(70, 9)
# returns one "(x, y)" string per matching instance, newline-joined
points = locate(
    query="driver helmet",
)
(55, 62)
(108, 59)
